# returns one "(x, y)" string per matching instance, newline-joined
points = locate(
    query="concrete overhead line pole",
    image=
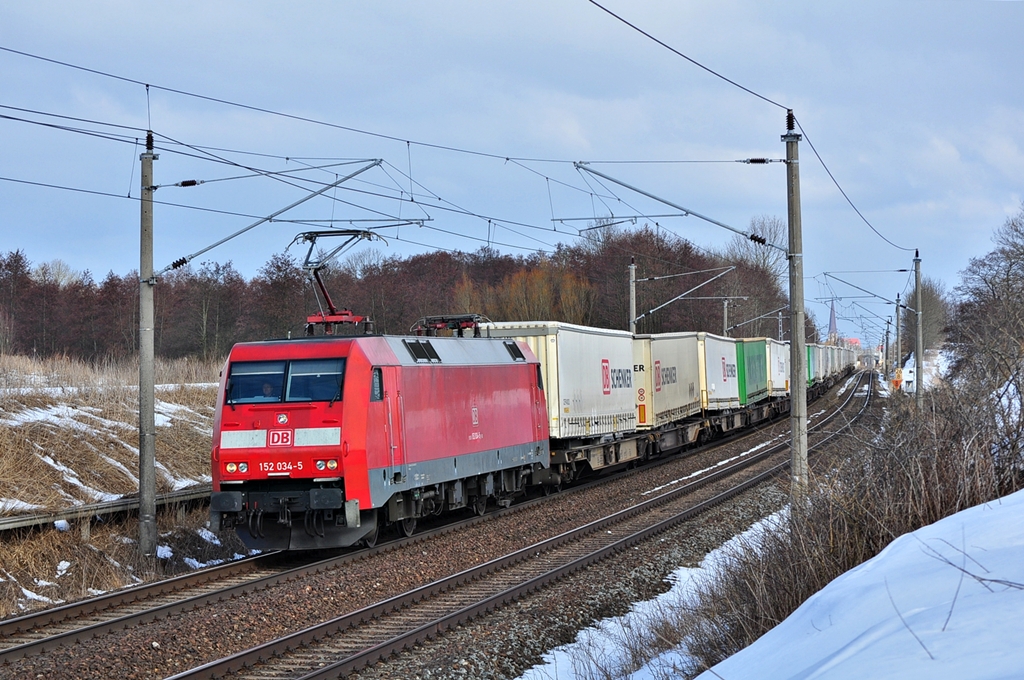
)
(919, 349)
(886, 358)
(797, 345)
(147, 419)
(632, 295)
(898, 362)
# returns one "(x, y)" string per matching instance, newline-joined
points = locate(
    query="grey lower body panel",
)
(301, 515)
(386, 482)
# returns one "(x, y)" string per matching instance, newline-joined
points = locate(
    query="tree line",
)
(48, 309)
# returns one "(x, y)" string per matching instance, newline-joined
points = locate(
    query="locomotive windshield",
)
(262, 382)
(315, 380)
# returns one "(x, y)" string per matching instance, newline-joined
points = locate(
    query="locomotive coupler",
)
(284, 516)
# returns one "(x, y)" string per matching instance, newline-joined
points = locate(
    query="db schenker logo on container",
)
(620, 378)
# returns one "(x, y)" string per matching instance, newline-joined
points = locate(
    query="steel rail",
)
(309, 636)
(61, 615)
(128, 504)
(438, 627)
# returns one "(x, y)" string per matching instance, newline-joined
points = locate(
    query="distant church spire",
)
(833, 329)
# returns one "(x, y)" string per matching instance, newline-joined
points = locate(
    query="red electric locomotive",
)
(320, 442)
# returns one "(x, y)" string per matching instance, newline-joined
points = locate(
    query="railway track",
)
(350, 642)
(38, 632)
(461, 596)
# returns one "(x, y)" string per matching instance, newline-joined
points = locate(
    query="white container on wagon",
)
(778, 368)
(666, 374)
(587, 375)
(719, 379)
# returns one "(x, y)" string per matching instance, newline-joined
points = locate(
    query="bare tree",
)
(935, 308)
(360, 262)
(56, 272)
(985, 337)
(771, 260)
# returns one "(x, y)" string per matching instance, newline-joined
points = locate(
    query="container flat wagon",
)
(667, 376)
(588, 383)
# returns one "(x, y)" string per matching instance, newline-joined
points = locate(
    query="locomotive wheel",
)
(480, 506)
(371, 540)
(407, 526)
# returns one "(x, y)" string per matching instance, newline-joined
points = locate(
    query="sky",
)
(478, 112)
(944, 601)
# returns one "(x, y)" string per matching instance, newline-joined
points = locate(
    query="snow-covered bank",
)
(604, 641)
(946, 601)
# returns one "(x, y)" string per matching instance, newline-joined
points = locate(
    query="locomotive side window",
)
(315, 380)
(376, 386)
(252, 382)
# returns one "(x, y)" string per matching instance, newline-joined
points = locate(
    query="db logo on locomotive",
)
(281, 437)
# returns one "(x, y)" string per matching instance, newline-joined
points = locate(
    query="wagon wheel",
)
(407, 526)
(552, 488)
(480, 505)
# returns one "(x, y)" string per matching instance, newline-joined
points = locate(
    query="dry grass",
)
(69, 435)
(920, 469)
(61, 567)
(911, 470)
(69, 430)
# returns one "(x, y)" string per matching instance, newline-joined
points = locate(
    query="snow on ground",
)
(946, 601)
(85, 422)
(719, 464)
(14, 505)
(936, 364)
(602, 640)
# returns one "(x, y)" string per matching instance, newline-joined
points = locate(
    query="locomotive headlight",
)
(231, 467)
(321, 465)
(243, 467)
(332, 465)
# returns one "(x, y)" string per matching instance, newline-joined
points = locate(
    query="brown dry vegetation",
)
(901, 472)
(83, 419)
(920, 469)
(963, 448)
(60, 412)
(107, 560)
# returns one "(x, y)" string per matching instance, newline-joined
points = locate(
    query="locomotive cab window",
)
(254, 382)
(315, 380)
(263, 382)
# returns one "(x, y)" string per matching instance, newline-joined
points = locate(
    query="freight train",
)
(324, 441)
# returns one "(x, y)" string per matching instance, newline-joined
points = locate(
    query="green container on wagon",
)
(752, 367)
